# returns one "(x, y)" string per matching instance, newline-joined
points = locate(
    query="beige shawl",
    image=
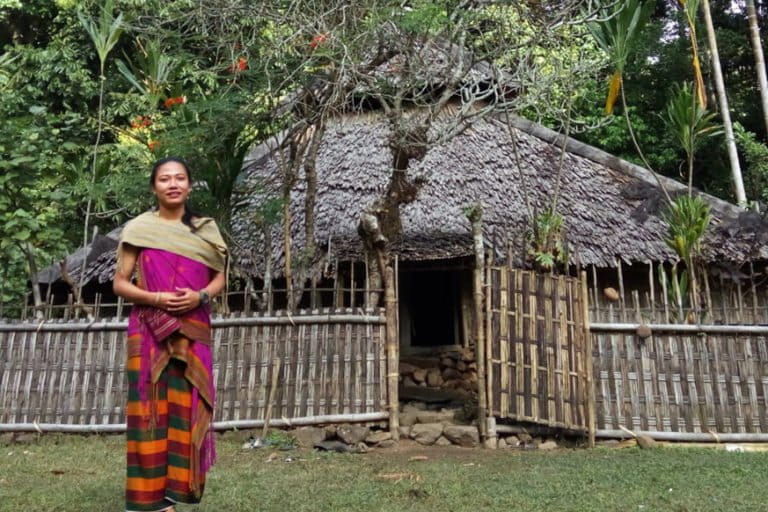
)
(152, 231)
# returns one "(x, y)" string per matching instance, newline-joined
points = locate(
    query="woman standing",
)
(179, 262)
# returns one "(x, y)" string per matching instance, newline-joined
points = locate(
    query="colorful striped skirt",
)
(159, 440)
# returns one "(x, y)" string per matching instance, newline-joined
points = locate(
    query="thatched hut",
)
(612, 210)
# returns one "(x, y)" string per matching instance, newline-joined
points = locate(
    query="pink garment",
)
(163, 271)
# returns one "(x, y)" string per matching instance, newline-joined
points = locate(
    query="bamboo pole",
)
(713, 437)
(591, 405)
(393, 356)
(682, 328)
(112, 325)
(271, 399)
(218, 425)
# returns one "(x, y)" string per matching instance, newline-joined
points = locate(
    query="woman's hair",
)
(188, 214)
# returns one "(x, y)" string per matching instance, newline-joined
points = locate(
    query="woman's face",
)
(171, 185)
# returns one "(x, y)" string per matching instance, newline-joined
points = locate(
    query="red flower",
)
(317, 40)
(152, 145)
(141, 122)
(240, 65)
(177, 100)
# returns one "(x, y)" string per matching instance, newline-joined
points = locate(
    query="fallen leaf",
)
(417, 458)
(57, 472)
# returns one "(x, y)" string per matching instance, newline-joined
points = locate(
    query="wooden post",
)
(475, 217)
(393, 353)
(588, 361)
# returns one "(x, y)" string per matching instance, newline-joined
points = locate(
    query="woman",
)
(179, 262)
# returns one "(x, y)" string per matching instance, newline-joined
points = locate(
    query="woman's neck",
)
(170, 213)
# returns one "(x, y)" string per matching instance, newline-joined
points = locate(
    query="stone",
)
(420, 375)
(434, 378)
(611, 294)
(308, 437)
(463, 435)
(467, 354)
(548, 445)
(407, 368)
(492, 443)
(408, 418)
(510, 442)
(352, 434)
(442, 441)
(334, 446)
(444, 416)
(525, 438)
(407, 381)
(645, 442)
(471, 377)
(405, 431)
(451, 373)
(461, 366)
(389, 443)
(330, 431)
(426, 433)
(452, 384)
(472, 366)
(378, 437)
(447, 362)
(608, 442)
(360, 448)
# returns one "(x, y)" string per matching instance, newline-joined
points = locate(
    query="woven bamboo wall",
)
(332, 362)
(681, 383)
(537, 355)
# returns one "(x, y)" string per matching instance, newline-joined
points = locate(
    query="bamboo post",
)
(475, 217)
(271, 399)
(588, 362)
(393, 356)
(352, 285)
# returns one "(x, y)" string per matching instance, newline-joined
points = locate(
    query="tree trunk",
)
(730, 140)
(29, 252)
(757, 49)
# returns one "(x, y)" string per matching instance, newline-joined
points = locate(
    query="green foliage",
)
(619, 28)
(756, 157)
(690, 124)
(687, 219)
(105, 32)
(546, 240)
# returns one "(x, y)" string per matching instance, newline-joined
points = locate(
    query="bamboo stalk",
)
(271, 399)
(681, 328)
(591, 403)
(218, 425)
(393, 357)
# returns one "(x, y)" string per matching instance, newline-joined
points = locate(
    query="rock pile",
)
(454, 369)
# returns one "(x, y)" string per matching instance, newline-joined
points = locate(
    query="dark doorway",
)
(430, 307)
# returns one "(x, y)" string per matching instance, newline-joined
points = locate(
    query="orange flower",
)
(141, 122)
(177, 100)
(240, 65)
(318, 40)
(153, 145)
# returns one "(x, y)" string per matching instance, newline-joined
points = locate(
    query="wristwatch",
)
(205, 297)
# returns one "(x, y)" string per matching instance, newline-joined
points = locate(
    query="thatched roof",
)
(611, 207)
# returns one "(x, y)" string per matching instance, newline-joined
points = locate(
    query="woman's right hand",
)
(165, 300)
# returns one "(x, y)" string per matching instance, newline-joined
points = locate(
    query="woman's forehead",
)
(171, 168)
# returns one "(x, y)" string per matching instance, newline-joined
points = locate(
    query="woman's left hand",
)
(186, 299)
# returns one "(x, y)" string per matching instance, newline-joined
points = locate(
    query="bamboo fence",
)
(332, 366)
(683, 378)
(538, 369)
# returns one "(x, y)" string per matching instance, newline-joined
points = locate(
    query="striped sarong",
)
(161, 458)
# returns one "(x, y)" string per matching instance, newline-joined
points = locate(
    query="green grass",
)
(79, 473)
